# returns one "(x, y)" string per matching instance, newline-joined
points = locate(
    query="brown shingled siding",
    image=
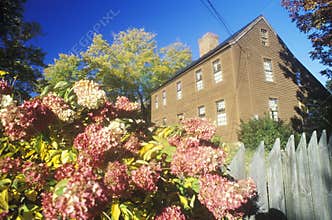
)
(243, 88)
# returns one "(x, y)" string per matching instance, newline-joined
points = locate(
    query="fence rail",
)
(294, 181)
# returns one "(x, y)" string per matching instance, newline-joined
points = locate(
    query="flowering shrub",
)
(92, 158)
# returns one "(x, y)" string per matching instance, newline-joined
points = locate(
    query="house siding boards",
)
(243, 86)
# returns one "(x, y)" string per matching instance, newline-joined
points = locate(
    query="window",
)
(201, 111)
(273, 108)
(264, 37)
(180, 116)
(178, 90)
(217, 71)
(199, 80)
(164, 121)
(221, 113)
(156, 102)
(298, 78)
(268, 70)
(164, 97)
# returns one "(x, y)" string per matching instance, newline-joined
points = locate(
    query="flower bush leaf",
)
(74, 154)
(116, 212)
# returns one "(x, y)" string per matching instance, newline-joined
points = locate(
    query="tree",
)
(20, 59)
(263, 129)
(314, 17)
(131, 66)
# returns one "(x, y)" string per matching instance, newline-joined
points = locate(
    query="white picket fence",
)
(297, 182)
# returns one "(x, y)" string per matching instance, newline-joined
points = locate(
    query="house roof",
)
(229, 41)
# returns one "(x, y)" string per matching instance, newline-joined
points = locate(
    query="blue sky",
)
(68, 24)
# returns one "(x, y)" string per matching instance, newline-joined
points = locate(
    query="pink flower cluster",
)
(132, 144)
(121, 108)
(193, 161)
(35, 174)
(89, 94)
(5, 89)
(145, 178)
(82, 197)
(10, 165)
(96, 140)
(171, 212)
(199, 128)
(64, 171)
(223, 197)
(195, 155)
(24, 121)
(106, 111)
(59, 107)
(125, 107)
(117, 179)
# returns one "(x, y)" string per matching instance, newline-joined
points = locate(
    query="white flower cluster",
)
(89, 94)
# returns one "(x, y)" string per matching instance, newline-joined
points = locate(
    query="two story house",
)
(250, 74)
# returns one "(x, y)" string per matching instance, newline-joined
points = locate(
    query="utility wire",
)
(219, 17)
(208, 4)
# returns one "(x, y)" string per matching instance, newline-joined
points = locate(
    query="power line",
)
(219, 17)
(208, 4)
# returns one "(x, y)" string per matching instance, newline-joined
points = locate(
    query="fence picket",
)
(305, 196)
(237, 166)
(275, 178)
(258, 173)
(290, 180)
(318, 190)
(297, 182)
(325, 173)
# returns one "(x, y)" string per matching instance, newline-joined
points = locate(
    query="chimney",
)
(208, 42)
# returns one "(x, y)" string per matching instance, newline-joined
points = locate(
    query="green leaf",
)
(184, 201)
(45, 91)
(67, 156)
(4, 183)
(169, 150)
(61, 84)
(192, 201)
(116, 211)
(60, 187)
(4, 200)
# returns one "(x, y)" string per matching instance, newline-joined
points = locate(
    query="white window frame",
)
(199, 79)
(298, 78)
(180, 116)
(179, 90)
(156, 104)
(164, 121)
(264, 35)
(164, 97)
(268, 70)
(201, 111)
(273, 109)
(221, 113)
(216, 66)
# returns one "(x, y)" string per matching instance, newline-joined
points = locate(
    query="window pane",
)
(221, 119)
(156, 101)
(264, 37)
(273, 108)
(216, 66)
(180, 116)
(164, 97)
(268, 70)
(218, 77)
(178, 90)
(220, 105)
(199, 85)
(198, 75)
(298, 78)
(201, 111)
